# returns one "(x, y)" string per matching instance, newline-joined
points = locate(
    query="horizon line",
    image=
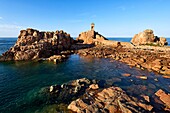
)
(76, 36)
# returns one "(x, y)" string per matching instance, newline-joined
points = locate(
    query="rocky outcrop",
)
(109, 100)
(33, 44)
(147, 38)
(57, 58)
(90, 37)
(96, 96)
(66, 92)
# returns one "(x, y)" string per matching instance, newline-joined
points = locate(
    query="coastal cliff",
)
(33, 44)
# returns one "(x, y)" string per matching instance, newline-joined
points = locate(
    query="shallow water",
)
(21, 83)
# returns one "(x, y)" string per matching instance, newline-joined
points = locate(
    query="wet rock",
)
(57, 58)
(166, 76)
(142, 77)
(111, 100)
(142, 58)
(51, 88)
(165, 98)
(146, 98)
(126, 74)
(94, 86)
(68, 91)
(73, 106)
(106, 100)
(146, 107)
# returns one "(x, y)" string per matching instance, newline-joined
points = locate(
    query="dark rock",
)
(66, 92)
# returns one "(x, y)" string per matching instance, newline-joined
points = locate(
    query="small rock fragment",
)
(94, 86)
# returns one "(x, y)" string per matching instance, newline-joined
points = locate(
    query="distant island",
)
(146, 51)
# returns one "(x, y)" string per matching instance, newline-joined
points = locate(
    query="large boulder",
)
(147, 38)
(33, 44)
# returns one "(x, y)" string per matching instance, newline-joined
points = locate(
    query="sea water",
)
(21, 83)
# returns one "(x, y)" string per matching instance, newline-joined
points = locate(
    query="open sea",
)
(21, 83)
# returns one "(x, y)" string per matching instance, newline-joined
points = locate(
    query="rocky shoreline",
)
(95, 96)
(83, 95)
(144, 59)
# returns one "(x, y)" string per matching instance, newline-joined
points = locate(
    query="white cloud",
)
(8, 26)
(9, 30)
(1, 18)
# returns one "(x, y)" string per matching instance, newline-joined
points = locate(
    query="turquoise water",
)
(21, 83)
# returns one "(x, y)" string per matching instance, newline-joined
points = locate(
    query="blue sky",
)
(112, 18)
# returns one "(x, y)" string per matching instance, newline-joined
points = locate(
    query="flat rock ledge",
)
(92, 96)
(157, 61)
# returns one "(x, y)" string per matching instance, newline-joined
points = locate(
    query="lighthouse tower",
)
(92, 26)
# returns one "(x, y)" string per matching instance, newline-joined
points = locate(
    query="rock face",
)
(33, 44)
(95, 96)
(147, 37)
(109, 100)
(68, 91)
(90, 37)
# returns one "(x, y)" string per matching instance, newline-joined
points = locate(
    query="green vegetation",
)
(153, 44)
